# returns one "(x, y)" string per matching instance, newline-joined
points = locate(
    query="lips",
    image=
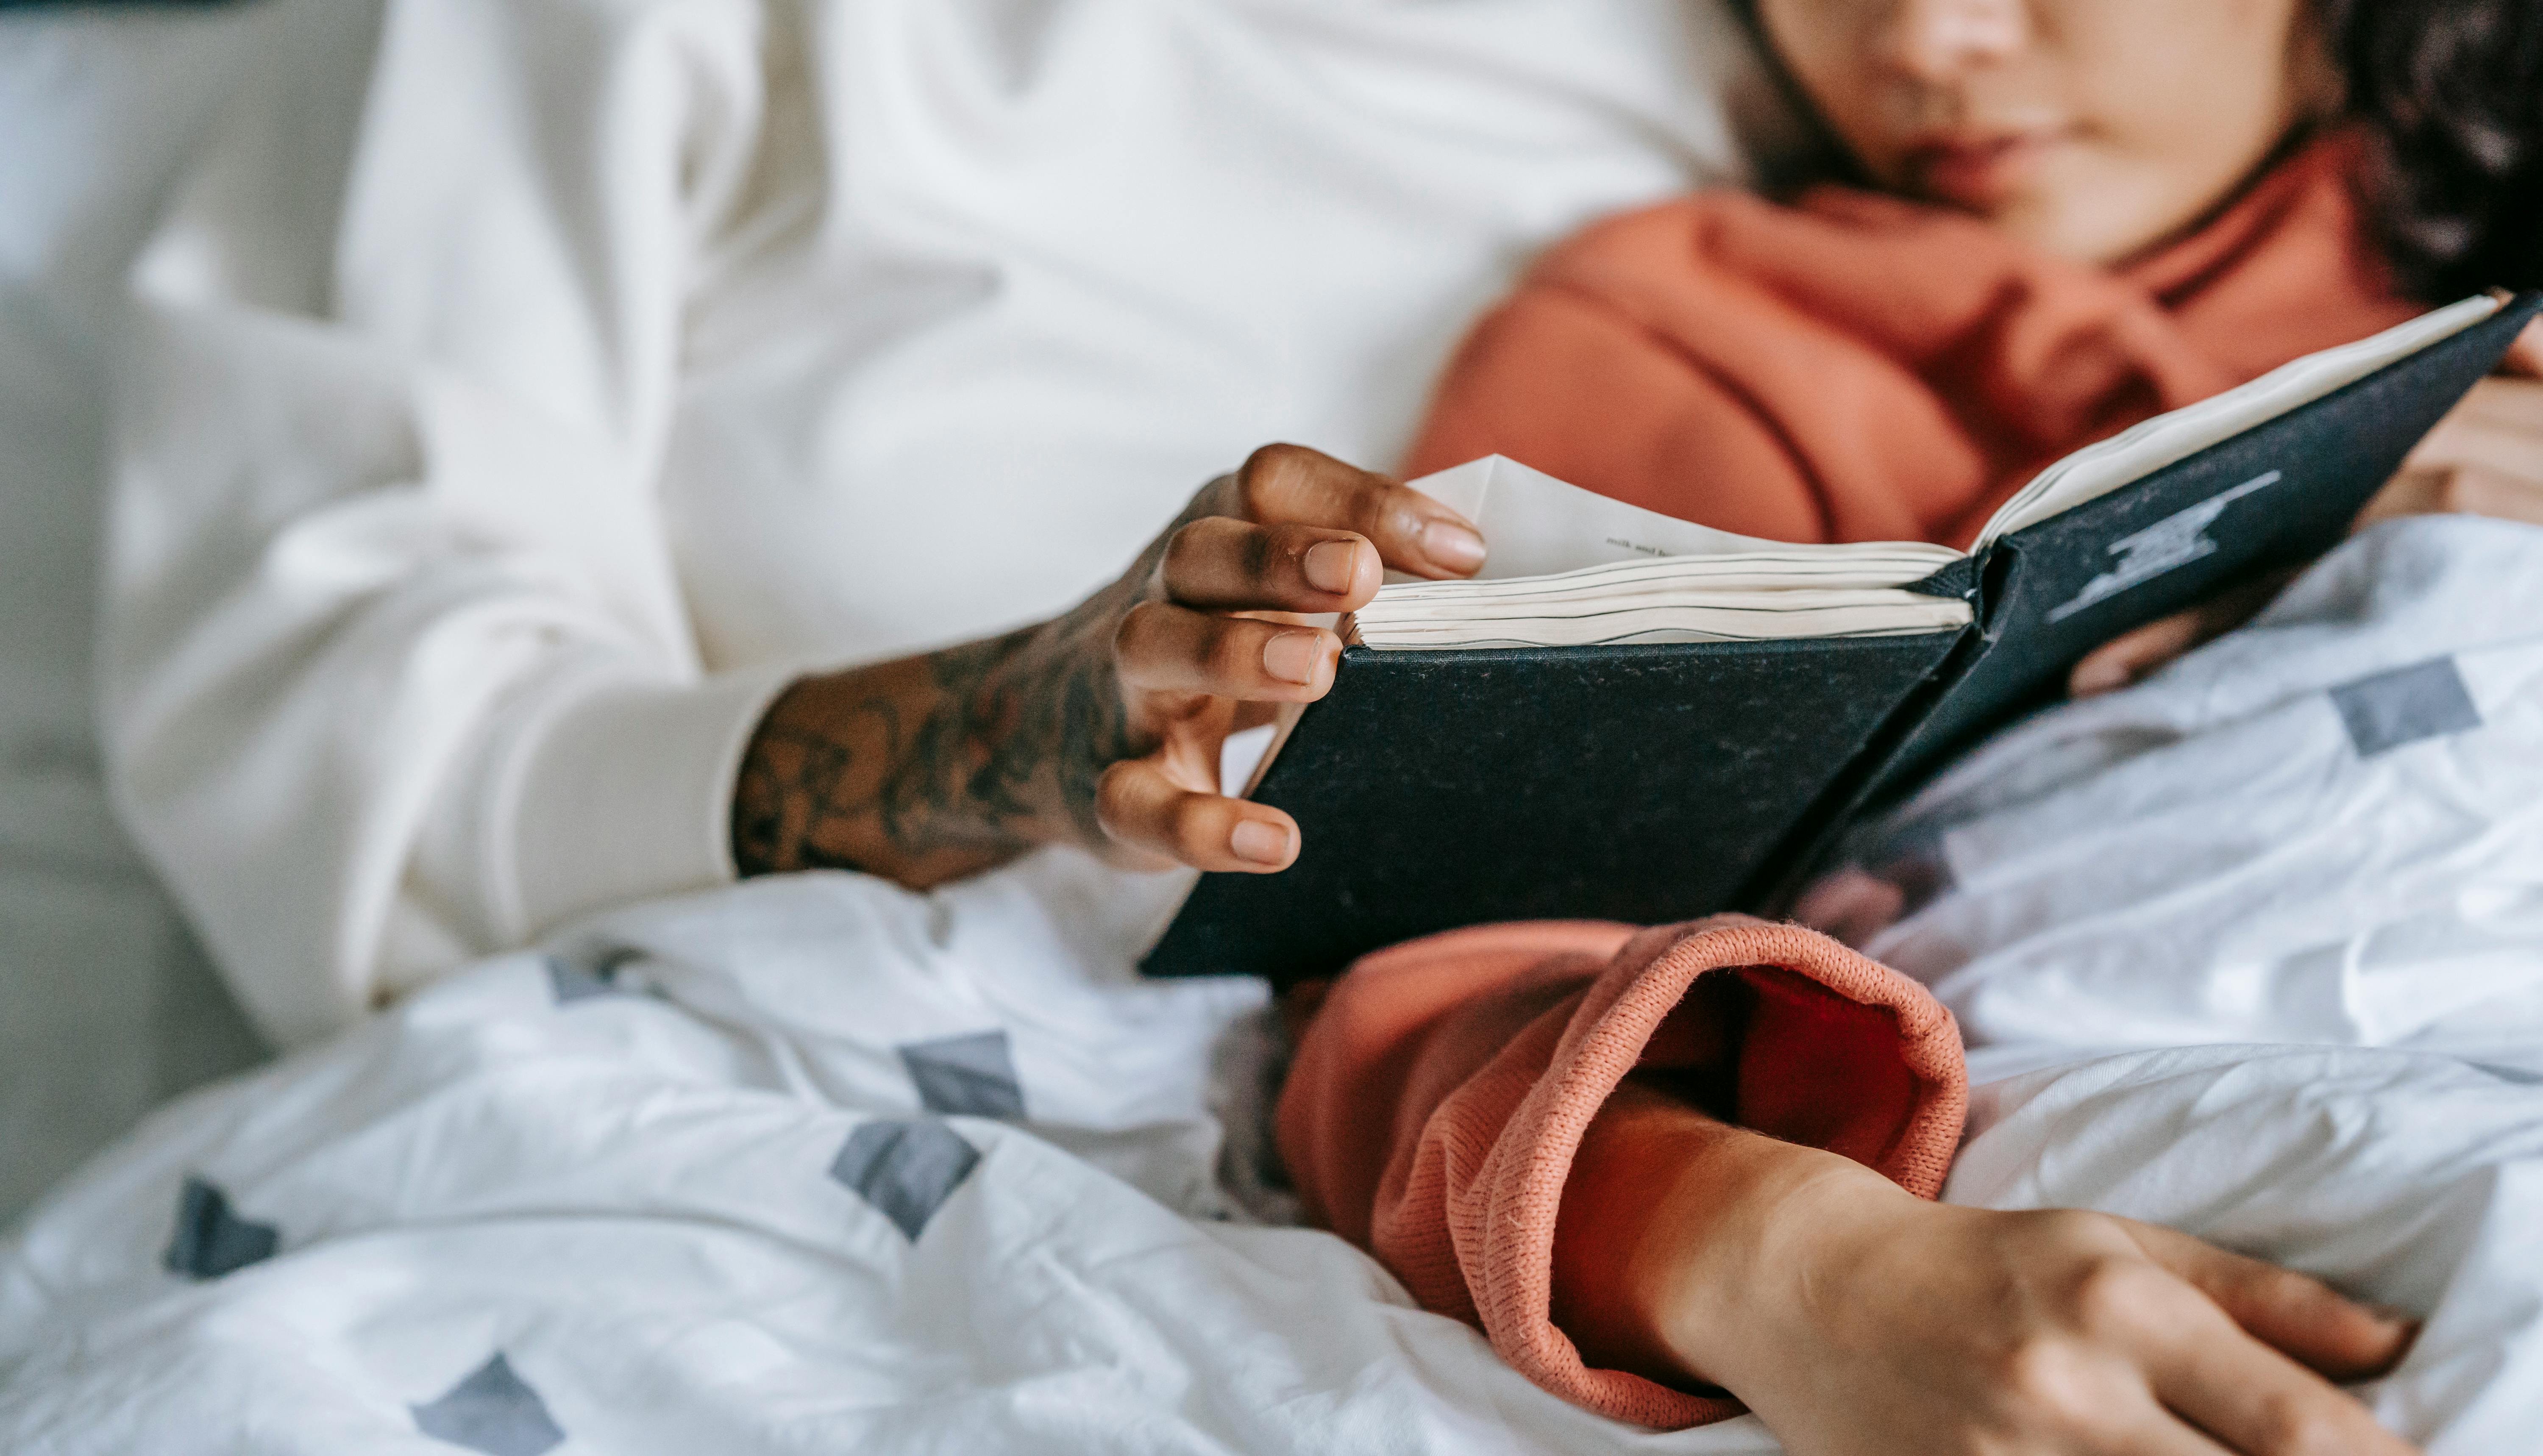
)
(1978, 170)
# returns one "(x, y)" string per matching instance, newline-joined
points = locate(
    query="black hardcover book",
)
(1643, 720)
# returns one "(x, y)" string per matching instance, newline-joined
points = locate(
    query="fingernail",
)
(2092, 678)
(1330, 566)
(1256, 842)
(1292, 657)
(1452, 546)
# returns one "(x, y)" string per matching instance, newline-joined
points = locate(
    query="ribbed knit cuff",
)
(624, 791)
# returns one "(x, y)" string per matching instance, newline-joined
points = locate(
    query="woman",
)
(1099, 728)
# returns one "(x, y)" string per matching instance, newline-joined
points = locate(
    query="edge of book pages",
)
(1570, 567)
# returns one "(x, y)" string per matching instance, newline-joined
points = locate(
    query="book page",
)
(1680, 618)
(1535, 525)
(1569, 567)
(1789, 591)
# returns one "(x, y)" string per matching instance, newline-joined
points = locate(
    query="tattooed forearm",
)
(934, 767)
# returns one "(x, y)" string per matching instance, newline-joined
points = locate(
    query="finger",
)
(2256, 1401)
(1162, 647)
(2457, 489)
(1145, 810)
(2498, 424)
(2285, 1310)
(2525, 356)
(2413, 492)
(2124, 659)
(1851, 905)
(2478, 489)
(1290, 483)
(1220, 562)
(2502, 413)
(2132, 656)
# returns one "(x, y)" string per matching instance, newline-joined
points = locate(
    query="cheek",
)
(2177, 115)
(2177, 68)
(2194, 129)
(1828, 48)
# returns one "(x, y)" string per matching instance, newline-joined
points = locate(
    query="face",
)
(2091, 129)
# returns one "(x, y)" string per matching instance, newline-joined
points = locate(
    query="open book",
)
(1634, 717)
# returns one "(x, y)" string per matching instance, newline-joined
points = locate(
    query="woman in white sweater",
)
(510, 415)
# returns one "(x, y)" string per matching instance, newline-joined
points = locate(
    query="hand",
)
(1216, 618)
(1855, 1319)
(2054, 1332)
(2485, 458)
(1104, 727)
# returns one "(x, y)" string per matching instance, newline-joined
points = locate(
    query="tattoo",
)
(934, 767)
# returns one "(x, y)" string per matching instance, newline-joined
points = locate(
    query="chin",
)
(2041, 223)
(2101, 220)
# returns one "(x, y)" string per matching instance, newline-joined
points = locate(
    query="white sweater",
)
(520, 391)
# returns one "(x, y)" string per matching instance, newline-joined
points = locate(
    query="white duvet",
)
(821, 1166)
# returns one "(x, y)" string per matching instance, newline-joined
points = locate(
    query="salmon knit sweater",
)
(1862, 369)
(1441, 1091)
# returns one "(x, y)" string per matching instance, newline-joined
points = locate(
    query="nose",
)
(1941, 40)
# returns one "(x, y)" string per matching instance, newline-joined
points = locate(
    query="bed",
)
(823, 1164)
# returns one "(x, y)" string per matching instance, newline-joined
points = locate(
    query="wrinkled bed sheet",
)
(2254, 949)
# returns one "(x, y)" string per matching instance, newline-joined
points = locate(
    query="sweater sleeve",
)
(1441, 1091)
(395, 669)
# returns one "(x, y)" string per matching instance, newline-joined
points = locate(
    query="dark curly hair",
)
(2450, 95)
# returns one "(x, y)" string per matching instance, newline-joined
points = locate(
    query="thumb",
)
(2306, 1318)
(2133, 656)
(2525, 356)
(1152, 816)
(2124, 659)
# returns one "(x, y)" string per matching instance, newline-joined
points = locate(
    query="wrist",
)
(1666, 1219)
(1694, 1253)
(869, 769)
(1743, 1264)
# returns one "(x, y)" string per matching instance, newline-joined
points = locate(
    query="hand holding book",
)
(1103, 727)
(1225, 619)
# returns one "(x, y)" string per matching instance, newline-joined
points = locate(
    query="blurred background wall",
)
(106, 1005)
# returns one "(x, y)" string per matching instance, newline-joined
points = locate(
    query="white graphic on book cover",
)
(2168, 544)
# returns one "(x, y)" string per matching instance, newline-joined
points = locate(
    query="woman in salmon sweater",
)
(1674, 1171)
